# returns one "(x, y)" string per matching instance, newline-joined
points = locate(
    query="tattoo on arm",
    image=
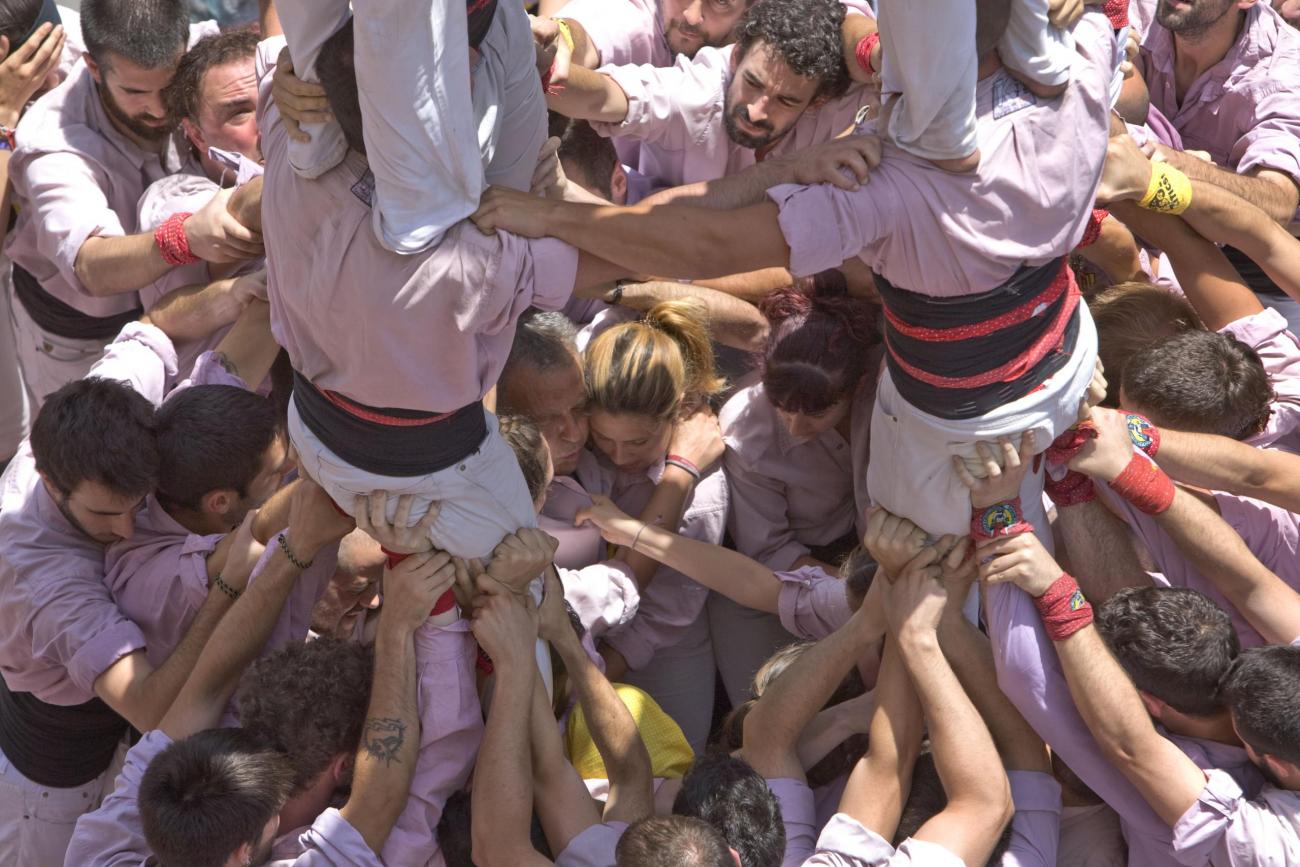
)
(383, 738)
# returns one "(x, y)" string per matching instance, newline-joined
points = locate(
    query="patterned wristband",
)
(1143, 433)
(1073, 489)
(225, 588)
(171, 241)
(1000, 519)
(1144, 485)
(1064, 608)
(1068, 444)
(865, 46)
(288, 552)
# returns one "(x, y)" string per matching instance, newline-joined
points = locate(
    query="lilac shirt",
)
(427, 332)
(593, 847)
(672, 603)
(1245, 110)
(677, 114)
(579, 546)
(946, 234)
(786, 494)
(603, 595)
(1036, 825)
(1267, 333)
(846, 842)
(75, 176)
(1227, 828)
(113, 835)
(811, 603)
(799, 815)
(1030, 673)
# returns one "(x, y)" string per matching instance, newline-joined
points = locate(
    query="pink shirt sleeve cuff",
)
(555, 270)
(99, 654)
(806, 223)
(1199, 830)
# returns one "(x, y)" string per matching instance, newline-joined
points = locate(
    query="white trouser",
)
(930, 68)
(13, 394)
(47, 361)
(481, 498)
(681, 679)
(36, 822)
(743, 639)
(432, 142)
(910, 471)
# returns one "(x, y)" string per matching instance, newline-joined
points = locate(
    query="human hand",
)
(548, 178)
(214, 235)
(958, 570)
(1126, 173)
(512, 211)
(1132, 45)
(521, 556)
(698, 438)
(1001, 483)
(413, 587)
(914, 603)
(1021, 560)
(1107, 454)
(553, 624)
(1063, 14)
(552, 50)
(27, 69)
(300, 102)
(827, 163)
(893, 541)
(1096, 390)
(616, 526)
(242, 556)
(249, 287)
(314, 521)
(399, 535)
(505, 628)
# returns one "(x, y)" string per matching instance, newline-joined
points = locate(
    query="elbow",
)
(754, 335)
(89, 279)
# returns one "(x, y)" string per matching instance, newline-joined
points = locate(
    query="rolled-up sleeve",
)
(811, 604)
(142, 357)
(512, 273)
(1200, 830)
(674, 106)
(824, 225)
(1273, 141)
(76, 624)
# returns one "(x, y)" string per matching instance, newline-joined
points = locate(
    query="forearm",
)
(1224, 218)
(502, 799)
(1219, 463)
(964, 754)
(853, 31)
(245, 205)
(747, 187)
(1205, 539)
(732, 321)
(584, 52)
(832, 727)
(113, 265)
(589, 95)
(753, 286)
(274, 514)
(746, 582)
(249, 347)
(194, 312)
(1269, 196)
(664, 511)
(1100, 548)
(390, 738)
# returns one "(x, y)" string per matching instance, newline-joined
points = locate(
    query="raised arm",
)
(1105, 697)
(732, 321)
(1223, 464)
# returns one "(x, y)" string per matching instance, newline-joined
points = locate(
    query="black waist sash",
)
(62, 319)
(404, 443)
(61, 746)
(961, 357)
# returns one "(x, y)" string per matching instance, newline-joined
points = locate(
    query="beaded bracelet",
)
(284, 546)
(225, 588)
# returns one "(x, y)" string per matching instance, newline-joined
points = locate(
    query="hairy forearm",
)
(590, 95)
(249, 346)
(732, 321)
(753, 286)
(194, 312)
(741, 579)
(1223, 217)
(1222, 464)
(1101, 551)
(748, 187)
(502, 799)
(613, 730)
(1273, 198)
(111, 266)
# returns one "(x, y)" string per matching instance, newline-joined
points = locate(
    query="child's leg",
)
(1037, 53)
(928, 79)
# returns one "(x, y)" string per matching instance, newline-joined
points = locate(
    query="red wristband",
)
(685, 463)
(548, 88)
(171, 241)
(1093, 230)
(1117, 12)
(866, 45)
(1064, 608)
(1144, 485)
(393, 557)
(445, 602)
(1072, 490)
(1068, 444)
(1000, 519)
(1143, 433)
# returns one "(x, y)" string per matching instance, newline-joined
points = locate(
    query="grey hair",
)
(544, 339)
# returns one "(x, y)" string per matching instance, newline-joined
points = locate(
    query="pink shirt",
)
(593, 847)
(677, 113)
(451, 728)
(1227, 828)
(947, 234)
(579, 546)
(113, 835)
(1267, 333)
(798, 813)
(75, 176)
(427, 332)
(1245, 110)
(812, 604)
(846, 842)
(788, 495)
(60, 628)
(672, 602)
(1036, 825)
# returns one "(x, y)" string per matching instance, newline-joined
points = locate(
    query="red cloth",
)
(1145, 486)
(1072, 490)
(1068, 444)
(1000, 519)
(1064, 608)
(1093, 230)
(1117, 12)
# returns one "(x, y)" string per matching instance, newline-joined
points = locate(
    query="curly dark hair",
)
(805, 33)
(529, 447)
(182, 96)
(310, 701)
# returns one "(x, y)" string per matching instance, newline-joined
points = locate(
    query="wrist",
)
(1003, 518)
(396, 625)
(172, 238)
(678, 476)
(918, 639)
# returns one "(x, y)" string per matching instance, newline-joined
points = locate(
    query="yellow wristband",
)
(563, 27)
(1170, 192)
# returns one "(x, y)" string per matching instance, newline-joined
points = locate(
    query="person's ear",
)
(218, 502)
(618, 185)
(1155, 707)
(735, 856)
(95, 72)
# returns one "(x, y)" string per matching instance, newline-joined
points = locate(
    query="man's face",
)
(765, 98)
(354, 589)
(1190, 17)
(805, 426)
(633, 443)
(556, 401)
(227, 115)
(264, 484)
(689, 25)
(99, 512)
(132, 96)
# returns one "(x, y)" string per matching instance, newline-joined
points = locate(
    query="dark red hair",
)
(820, 345)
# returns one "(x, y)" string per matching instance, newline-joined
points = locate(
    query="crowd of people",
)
(722, 433)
